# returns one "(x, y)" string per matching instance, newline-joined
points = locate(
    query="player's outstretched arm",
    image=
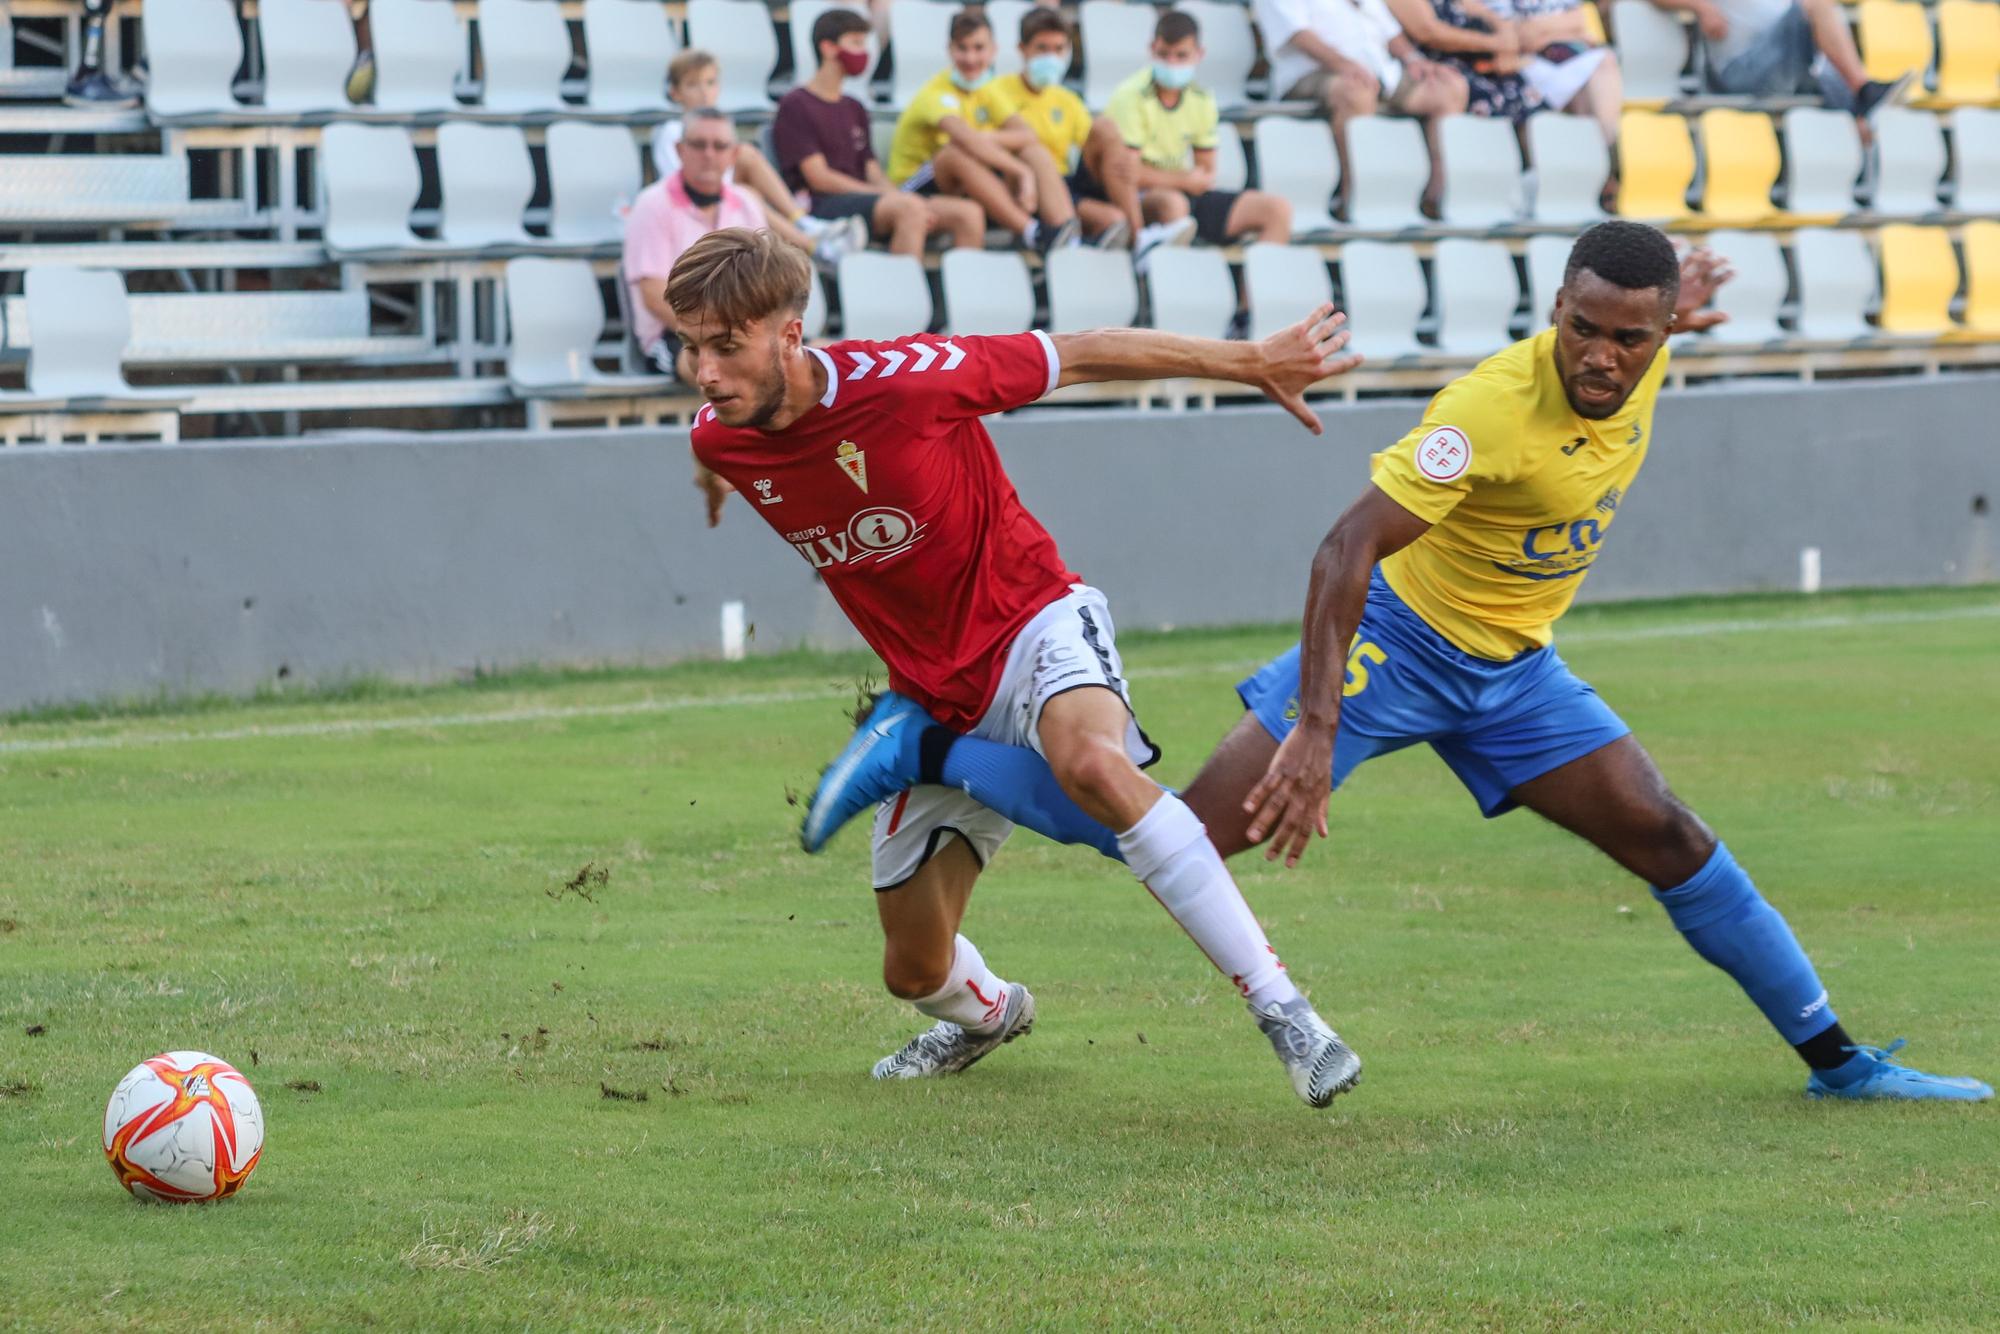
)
(1284, 365)
(1289, 803)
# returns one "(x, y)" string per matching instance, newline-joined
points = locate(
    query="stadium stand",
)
(290, 252)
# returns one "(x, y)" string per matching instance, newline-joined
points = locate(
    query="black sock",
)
(932, 747)
(1827, 1049)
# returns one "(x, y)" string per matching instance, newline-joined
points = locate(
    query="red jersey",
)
(890, 487)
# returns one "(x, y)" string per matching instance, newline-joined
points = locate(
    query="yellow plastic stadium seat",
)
(1982, 280)
(1895, 39)
(1659, 166)
(1741, 152)
(1593, 23)
(1968, 52)
(1919, 278)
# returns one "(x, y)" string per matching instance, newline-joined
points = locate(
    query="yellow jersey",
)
(1520, 492)
(919, 135)
(1055, 114)
(1167, 138)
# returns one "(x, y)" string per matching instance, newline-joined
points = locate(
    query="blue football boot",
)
(1871, 1074)
(877, 762)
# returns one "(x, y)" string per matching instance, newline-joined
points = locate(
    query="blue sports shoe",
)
(1871, 1074)
(877, 762)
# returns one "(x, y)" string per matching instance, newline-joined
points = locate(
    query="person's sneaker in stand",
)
(1151, 238)
(95, 88)
(1118, 236)
(1043, 238)
(1875, 94)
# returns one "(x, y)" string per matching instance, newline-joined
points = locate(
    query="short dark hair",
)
(836, 24)
(968, 21)
(1175, 26)
(1038, 21)
(1630, 255)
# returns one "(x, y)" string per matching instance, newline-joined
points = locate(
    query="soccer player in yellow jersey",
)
(948, 141)
(1429, 619)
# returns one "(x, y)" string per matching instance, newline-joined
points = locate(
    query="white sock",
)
(1033, 233)
(972, 997)
(1170, 853)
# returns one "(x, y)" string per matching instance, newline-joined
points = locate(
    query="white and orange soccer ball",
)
(183, 1126)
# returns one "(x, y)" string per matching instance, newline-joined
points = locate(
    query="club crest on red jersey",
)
(853, 461)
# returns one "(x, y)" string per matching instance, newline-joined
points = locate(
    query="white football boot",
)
(1320, 1064)
(946, 1049)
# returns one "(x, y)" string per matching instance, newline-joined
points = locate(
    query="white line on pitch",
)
(679, 703)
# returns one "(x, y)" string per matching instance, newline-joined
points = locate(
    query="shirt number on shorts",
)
(1363, 654)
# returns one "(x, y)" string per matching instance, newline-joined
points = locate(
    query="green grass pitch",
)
(493, 1102)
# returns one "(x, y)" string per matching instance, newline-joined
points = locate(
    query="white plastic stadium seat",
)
(593, 177)
(80, 322)
(1822, 161)
(805, 13)
(1975, 160)
(1192, 291)
(554, 316)
(883, 296)
(198, 45)
(1836, 283)
(1548, 256)
(987, 291)
(627, 46)
(1232, 169)
(1285, 283)
(485, 178)
(1229, 49)
(523, 53)
(1754, 296)
(1909, 162)
(738, 33)
(1295, 160)
(1382, 290)
(1006, 16)
(1388, 165)
(1571, 165)
(1482, 171)
(1652, 49)
(1117, 39)
(370, 179)
(1090, 289)
(1477, 293)
(418, 47)
(921, 37)
(308, 51)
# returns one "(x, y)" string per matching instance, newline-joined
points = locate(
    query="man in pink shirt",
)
(672, 214)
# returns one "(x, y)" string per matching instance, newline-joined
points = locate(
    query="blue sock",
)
(1014, 781)
(1730, 925)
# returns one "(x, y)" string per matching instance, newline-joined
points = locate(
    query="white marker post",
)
(1808, 569)
(733, 632)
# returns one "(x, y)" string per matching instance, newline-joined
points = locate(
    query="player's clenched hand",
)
(1297, 358)
(1289, 804)
(714, 490)
(1702, 273)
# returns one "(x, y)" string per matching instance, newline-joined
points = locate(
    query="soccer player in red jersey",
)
(870, 459)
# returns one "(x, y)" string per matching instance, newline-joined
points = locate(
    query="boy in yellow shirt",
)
(948, 142)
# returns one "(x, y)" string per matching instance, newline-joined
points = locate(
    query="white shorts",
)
(1070, 643)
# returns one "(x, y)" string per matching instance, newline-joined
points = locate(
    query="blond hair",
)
(735, 275)
(689, 62)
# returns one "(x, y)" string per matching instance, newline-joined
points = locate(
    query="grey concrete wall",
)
(131, 570)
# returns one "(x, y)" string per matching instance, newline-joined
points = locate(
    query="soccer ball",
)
(183, 1126)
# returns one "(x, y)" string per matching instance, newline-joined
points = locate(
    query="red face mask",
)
(853, 62)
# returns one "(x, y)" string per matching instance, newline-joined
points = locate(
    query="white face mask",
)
(1172, 76)
(1045, 70)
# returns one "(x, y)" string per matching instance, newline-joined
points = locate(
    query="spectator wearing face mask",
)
(823, 144)
(1103, 174)
(947, 142)
(1171, 123)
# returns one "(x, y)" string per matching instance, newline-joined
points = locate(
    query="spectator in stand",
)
(1781, 48)
(824, 148)
(1559, 58)
(1171, 122)
(672, 214)
(1353, 58)
(947, 142)
(1484, 50)
(694, 82)
(1103, 175)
